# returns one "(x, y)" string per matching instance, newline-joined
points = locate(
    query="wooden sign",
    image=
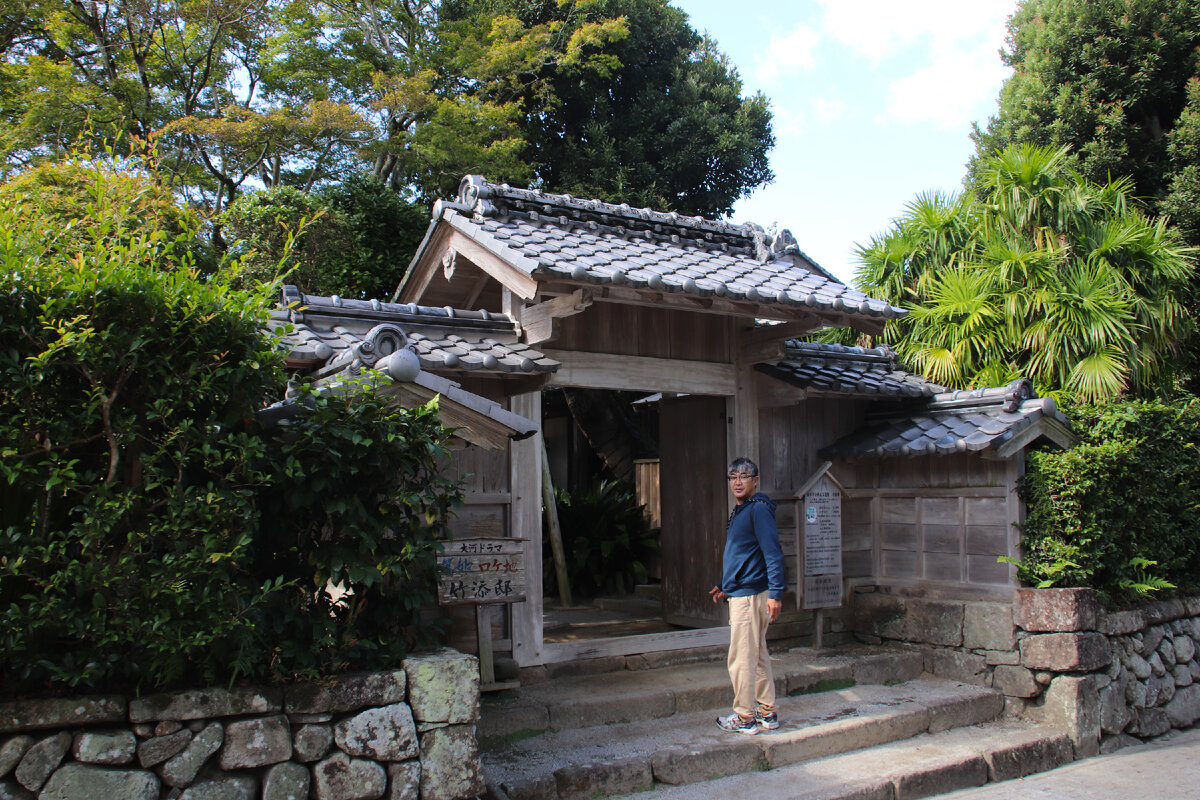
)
(479, 571)
(822, 515)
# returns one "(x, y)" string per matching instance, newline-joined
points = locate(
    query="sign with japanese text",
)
(823, 545)
(477, 571)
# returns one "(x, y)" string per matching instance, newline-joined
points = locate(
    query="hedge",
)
(1118, 513)
(152, 532)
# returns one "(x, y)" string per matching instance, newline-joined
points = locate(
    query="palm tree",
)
(1040, 274)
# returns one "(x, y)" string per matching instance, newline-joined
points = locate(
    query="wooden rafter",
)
(537, 322)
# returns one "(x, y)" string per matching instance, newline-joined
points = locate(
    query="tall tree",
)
(272, 92)
(664, 126)
(1041, 274)
(1110, 79)
(353, 238)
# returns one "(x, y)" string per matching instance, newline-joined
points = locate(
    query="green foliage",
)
(151, 532)
(1041, 274)
(605, 537)
(658, 122)
(1117, 513)
(614, 98)
(128, 506)
(351, 239)
(1117, 82)
(1108, 79)
(386, 228)
(285, 232)
(355, 501)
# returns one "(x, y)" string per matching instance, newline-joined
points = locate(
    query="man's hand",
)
(774, 608)
(718, 596)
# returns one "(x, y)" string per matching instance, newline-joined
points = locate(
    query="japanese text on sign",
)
(474, 571)
(823, 545)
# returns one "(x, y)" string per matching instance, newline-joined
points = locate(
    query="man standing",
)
(752, 582)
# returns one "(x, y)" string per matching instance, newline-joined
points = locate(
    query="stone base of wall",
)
(1109, 679)
(406, 734)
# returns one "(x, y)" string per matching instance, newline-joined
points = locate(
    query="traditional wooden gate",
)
(694, 506)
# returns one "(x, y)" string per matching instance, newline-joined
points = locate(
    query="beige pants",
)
(749, 659)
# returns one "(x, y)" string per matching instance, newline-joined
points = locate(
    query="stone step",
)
(687, 746)
(570, 702)
(924, 766)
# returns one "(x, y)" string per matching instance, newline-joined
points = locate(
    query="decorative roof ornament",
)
(773, 242)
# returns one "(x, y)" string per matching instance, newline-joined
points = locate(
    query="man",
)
(752, 582)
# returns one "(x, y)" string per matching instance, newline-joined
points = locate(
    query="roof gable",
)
(997, 422)
(528, 240)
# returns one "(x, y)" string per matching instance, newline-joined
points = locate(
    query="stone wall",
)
(1107, 678)
(407, 734)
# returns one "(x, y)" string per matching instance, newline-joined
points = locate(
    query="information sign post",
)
(820, 517)
(482, 572)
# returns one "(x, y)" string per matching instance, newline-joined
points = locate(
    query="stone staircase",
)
(857, 722)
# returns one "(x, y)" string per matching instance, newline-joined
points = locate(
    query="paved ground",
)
(1167, 769)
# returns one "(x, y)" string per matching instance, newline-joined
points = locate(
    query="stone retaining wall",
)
(407, 734)
(1108, 678)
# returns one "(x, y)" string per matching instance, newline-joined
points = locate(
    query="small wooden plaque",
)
(482, 570)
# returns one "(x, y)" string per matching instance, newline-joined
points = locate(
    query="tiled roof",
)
(329, 332)
(586, 241)
(835, 369)
(954, 422)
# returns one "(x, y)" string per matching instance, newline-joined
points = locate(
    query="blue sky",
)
(873, 103)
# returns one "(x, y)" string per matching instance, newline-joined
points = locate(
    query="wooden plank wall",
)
(485, 512)
(938, 521)
(646, 475)
(650, 332)
(789, 438)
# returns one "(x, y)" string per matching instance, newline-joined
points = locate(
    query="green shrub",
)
(352, 239)
(355, 500)
(606, 539)
(128, 507)
(1117, 512)
(151, 532)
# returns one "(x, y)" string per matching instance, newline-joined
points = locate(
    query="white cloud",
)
(792, 52)
(876, 29)
(827, 109)
(955, 88)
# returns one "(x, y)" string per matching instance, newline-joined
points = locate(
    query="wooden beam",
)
(634, 373)
(476, 290)
(712, 304)
(525, 521)
(744, 408)
(478, 420)
(556, 542)
(422, 272)
(770, 334)
(537, 322)
(1051, 428)
(523, 285)
(447, 242)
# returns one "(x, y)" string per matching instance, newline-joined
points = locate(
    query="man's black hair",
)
(743, 464)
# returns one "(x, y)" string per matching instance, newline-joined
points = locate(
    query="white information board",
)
(822, 527)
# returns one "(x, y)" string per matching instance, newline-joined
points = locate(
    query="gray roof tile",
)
(949, 422)
(835, 369)
(638, 247)
(325, 329)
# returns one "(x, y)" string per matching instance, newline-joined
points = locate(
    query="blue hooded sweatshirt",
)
(753, 558)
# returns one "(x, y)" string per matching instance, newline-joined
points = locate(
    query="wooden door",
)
(694, 507)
